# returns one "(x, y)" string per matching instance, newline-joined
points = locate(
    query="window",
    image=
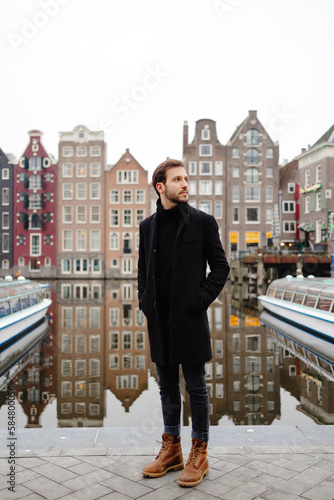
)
(252, 137)
(235, 217)
(80, 315)
(205, 206)
(81, 169)
(140, 215)
(5, 243)
(94, 317)
(205, 150)
(235, 152)
(235, 172)
(35, 163)
(114, 316)
(127, 217)
(252, 175)
(205, 167)
(252, 214)
(269, 215)
(35, 244)
(67, 170)
(253, 364)
(67, 323)
(291, 187)
(35, 182)
(113, 362)
(218, 209)
(114, 196)
(68, 191)
(81, 191)
(205, 134)
(94, 343)
(95, 239)
(81, 150)
(269, 172)
(127, 177)
(67, 151)
(95, 169)
(218, 167)
(81, 239)
(192, 187)
(140, 196)
(218, 188)
(81, 214)
(253, 343)
(114, 218)
(127, 196)
(318, 201)
(252, 157)
(252, 193)
(114, 241)
(318, 173)
(192, 168)
(35, 201)
(95, 191)
(113, 340)
(307, 177)
(67, 214)
(95, 150)
(66, 266)
(5, 174)
(269, 193)
(307, 204)
(289, 207)
(269, 153)
(21, 240)
(235, 193)
(205, 187)
(289, 226)
(95, 214)
(5, 220)
(67, 240)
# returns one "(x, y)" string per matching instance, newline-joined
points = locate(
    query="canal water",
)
(92, 367)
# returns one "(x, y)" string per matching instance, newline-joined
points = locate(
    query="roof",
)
(327, 137)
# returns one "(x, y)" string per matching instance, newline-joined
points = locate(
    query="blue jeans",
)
(194, 375)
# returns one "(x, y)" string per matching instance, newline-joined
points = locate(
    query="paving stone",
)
(88, 479)
(127, 487)
(273, 470)
(167, 492)
(26, 475)
(20, 492)
(193, 494)
(237, 477)
(246, 491)
(90, 493)
(56, 473)
(129, 472)
(31, 462)
(156, 483)
(323, 491)
(99, 461)
(77, 452)
(82, 468)
(47, 488)
(275, 494)
(63, 461)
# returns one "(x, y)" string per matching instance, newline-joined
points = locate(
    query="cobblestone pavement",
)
(255, 468)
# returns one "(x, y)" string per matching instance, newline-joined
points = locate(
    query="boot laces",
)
(165, 445)
(195, 455)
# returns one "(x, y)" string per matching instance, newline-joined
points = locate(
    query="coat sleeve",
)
(141, 270)
(219, 267)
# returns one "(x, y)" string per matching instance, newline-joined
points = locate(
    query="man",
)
(176, 244)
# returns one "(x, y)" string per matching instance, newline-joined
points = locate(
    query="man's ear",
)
(160, 187)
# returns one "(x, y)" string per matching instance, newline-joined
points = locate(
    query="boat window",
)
(324, 304)
(288, 296)
(328, 291)
(15, 305)
(310, 300)
(12, 290)
(279, 294)
(271, 292)
(298, 298)
(3, 294)
(4, 309)
(25, 301)
(33, 299)
(315, 289)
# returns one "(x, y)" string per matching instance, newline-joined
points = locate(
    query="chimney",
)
(303, 150)
(185, 136)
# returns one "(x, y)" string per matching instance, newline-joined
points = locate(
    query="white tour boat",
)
(22, 308)
(305, 302)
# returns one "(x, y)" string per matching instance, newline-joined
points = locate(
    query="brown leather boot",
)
(197, 465)
(169, 458)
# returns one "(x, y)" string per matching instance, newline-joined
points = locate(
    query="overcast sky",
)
(139, 68)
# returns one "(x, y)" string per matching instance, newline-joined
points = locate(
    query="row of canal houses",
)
(79, 217)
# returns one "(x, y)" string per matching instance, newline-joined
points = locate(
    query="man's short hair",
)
(159, 174)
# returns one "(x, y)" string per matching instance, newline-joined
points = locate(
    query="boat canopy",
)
(13, 289)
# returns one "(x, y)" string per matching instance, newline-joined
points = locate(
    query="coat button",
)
(154, 304)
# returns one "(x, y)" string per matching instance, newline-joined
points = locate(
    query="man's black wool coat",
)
(197, 243)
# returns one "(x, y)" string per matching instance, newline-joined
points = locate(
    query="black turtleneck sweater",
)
(168, 221)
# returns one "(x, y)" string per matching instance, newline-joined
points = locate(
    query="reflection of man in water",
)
(176, 244)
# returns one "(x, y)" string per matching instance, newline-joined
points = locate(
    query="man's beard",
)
(174, 198)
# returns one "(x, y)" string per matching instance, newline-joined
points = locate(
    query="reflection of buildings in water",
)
(35, 384)
(253, 385)
(215, 370)
(307, 376)
(126, 343)
(80, 360)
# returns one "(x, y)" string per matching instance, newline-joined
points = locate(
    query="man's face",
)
(175, 189)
